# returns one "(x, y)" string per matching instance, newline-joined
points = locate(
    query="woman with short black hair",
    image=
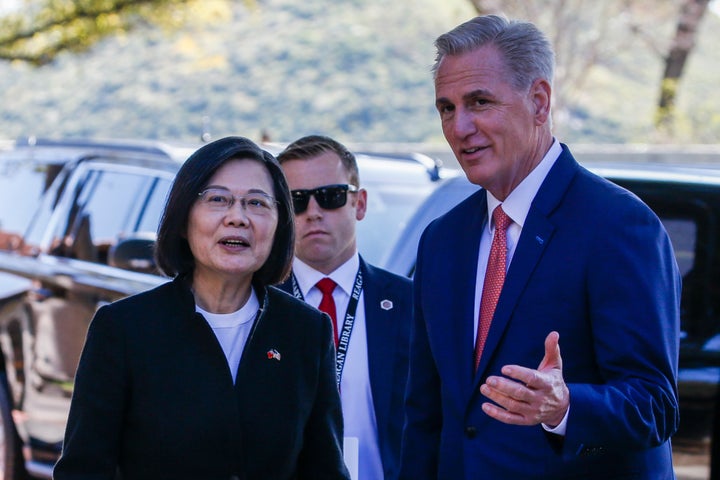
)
(216, 374)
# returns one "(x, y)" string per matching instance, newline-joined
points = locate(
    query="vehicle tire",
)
(12, 464)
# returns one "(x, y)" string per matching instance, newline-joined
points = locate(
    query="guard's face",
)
(324, 237)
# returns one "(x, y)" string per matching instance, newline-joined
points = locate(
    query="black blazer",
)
(389, 313)
(154, 397)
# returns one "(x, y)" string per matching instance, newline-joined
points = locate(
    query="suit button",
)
(470, 432)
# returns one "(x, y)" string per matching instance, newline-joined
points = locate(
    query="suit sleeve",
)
(634, 290)
(423, 416)
(322, 457)
(94, 427)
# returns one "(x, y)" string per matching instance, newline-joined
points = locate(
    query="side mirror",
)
(134, 253)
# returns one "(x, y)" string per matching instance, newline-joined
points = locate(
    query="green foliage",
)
(45, 28)
(355, 69)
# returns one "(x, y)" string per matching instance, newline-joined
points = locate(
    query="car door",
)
(99, 205)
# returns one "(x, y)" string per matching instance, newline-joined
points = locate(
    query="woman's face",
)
(231, 226)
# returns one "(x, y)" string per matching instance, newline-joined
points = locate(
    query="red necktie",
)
(327, 304)
(494, 279)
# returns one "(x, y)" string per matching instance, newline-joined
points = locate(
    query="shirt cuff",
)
(562, 426)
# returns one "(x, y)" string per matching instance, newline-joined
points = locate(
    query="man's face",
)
(493, 129)
(324, 238)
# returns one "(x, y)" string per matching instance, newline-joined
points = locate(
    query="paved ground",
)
(691, 466)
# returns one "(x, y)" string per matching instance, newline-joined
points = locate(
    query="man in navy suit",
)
(371, 307)
(571, 260)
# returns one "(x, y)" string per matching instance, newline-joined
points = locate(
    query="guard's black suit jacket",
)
(154, 396)
(388, 319)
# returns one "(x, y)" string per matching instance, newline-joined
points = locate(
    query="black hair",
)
(172, 251)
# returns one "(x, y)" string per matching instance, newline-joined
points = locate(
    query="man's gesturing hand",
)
(528, 397)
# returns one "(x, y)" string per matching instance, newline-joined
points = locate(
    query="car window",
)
(20, 189)
(389, 208)
(108, 205)
(398, 256)
(39, 223)
(396, 186)
(153, 210)
(683, 235)
(22, 183)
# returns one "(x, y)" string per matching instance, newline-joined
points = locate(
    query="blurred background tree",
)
(357, 69)
(589, 34)
(682, 44)
(36, 31)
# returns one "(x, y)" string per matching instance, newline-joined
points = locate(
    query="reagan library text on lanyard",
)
(347, 326)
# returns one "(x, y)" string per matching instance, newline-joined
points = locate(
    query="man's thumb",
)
(552, 357)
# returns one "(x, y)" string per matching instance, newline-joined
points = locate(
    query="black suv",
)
(88, 241)
(687, 200)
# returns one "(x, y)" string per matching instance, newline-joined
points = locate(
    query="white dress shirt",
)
(516, 206)
(355, 391)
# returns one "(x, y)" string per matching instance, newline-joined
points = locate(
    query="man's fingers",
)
(525, 376)
(504, 416)
(506, 388)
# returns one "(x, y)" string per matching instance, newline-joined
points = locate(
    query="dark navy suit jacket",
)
(593, 263)
(388, 337)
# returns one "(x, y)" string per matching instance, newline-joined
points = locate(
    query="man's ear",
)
(541, 95)
(361, 204)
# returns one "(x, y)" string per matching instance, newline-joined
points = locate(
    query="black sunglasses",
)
(329, 197)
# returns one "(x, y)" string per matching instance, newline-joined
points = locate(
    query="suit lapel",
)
(286, 286)
(534, 239)
(381, 333)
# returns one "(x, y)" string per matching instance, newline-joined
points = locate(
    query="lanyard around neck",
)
(347, 326)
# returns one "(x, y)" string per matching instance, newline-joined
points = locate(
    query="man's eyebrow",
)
(442, 101)
(480, 92)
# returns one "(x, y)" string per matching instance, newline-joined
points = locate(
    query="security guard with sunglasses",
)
(371, 308)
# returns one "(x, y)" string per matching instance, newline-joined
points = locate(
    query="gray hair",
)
(527, 53)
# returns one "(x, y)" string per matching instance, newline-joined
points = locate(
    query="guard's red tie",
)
(494, 279)
(327, 304)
